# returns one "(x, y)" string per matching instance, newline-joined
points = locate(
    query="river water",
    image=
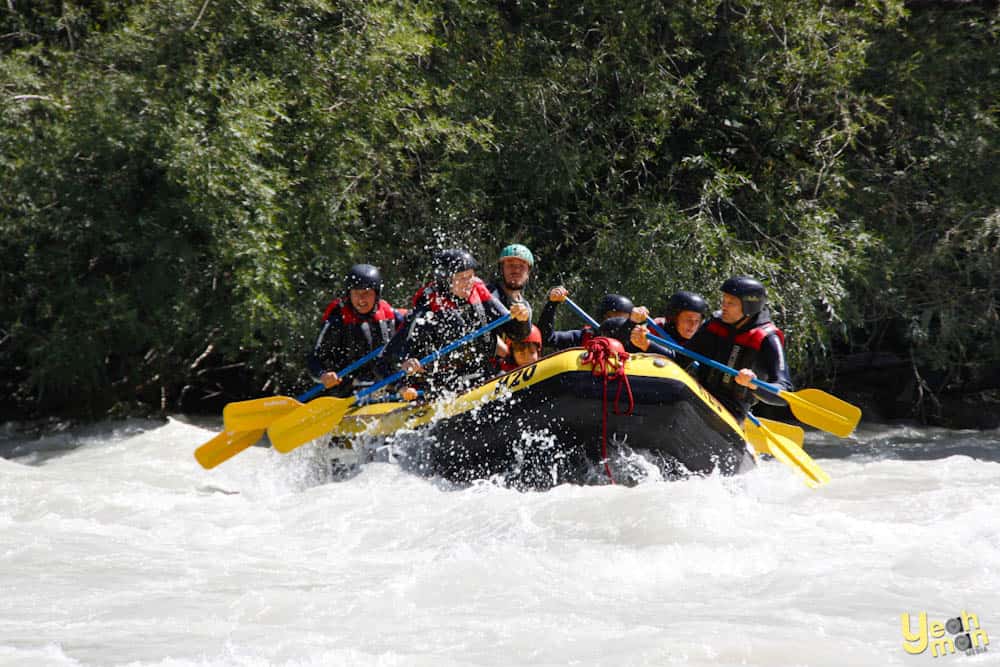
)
(116, 548)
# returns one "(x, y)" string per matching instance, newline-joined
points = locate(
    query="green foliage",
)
(183, 181)
(928, 183)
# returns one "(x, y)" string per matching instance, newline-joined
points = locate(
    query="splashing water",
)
(119, 550)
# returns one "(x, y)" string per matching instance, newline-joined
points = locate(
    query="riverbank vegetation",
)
(182, 182)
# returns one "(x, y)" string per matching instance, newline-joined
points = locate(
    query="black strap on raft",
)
(607, 356)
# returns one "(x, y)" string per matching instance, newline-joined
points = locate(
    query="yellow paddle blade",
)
(822, 410)
(790, 431)
(314, 419)
(225, 446)
(258, 413)
(787, 451)
(755, 435)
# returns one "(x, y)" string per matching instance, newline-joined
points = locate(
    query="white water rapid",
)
(116, 548)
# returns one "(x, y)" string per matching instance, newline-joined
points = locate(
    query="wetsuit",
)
(508, 331)
(439, 318)
(560, 340)
(758, 345)
(614, 327)
(347, 335)
(513, 328)
(620, 328)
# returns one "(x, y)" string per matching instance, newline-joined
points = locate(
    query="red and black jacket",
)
(758, 345)
(438, 318)
(347, 335)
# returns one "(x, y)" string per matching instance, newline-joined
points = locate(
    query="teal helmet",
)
(518, 251)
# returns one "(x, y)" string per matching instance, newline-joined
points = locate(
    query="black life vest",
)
(744, 347)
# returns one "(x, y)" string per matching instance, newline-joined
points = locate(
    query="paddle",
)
(260, 412)
(389, 398)
(584, 315)
(782, 441)
(225, 446)
(784, 449)
(228, 444)
(321, 415)
(790, 431)
(245, 421)
(811, 406)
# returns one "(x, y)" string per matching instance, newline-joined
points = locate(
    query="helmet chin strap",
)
(746, 319)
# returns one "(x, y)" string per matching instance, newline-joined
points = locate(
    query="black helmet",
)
(749, 291)
(681, 301)
(454, 260)
(363, 276)
(614, 302)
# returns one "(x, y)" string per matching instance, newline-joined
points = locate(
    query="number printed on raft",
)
(516, 377)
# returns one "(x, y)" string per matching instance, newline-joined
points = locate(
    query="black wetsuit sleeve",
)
(656, 348)
(329, 350)
(770, 366)
(313, 364)
(702, 343)
(562, 340)
(620, 328)
(398, 347)
(547, 322)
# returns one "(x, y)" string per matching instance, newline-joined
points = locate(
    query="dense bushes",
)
(181, 180)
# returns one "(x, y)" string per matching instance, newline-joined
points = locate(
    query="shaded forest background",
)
(182, 183)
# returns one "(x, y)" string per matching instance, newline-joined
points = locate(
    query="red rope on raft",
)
(608, 357)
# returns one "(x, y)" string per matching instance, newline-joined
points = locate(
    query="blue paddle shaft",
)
(665, 340)
(582, 313)
(319, 386)
(767, 386)
(389, 398)
(651, 323)
(435, 355)
(592, 322)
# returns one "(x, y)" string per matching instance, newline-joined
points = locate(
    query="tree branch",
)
(43, 98)
(201, 13)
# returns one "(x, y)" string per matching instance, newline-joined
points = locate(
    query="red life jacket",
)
(437, 301)
(751, 338)
(382, 311)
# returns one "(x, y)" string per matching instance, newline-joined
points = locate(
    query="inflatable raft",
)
(563, 419)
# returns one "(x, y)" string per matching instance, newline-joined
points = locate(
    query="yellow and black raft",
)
(560, 420)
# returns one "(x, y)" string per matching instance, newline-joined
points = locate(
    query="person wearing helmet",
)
(523, 352)
(354, 324)
(616, 313)
(514, 268)
(742, 336)
(454, 303)
(686, 312)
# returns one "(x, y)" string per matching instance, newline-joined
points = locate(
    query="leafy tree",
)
(184, 182)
